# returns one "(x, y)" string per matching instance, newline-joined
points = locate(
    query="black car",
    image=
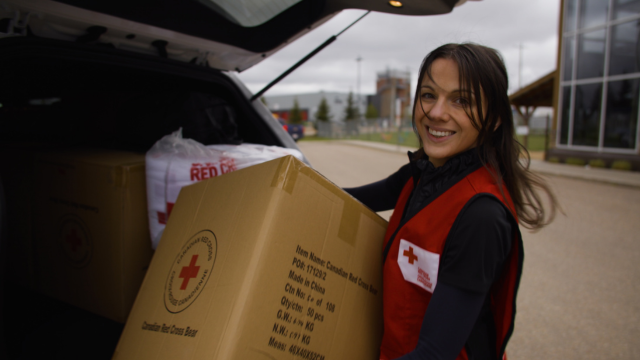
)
(120, 75)
(295, 130)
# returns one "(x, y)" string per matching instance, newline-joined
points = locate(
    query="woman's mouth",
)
(438, 133)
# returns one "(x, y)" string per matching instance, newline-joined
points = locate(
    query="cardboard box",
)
(91, 238)
(268, 262)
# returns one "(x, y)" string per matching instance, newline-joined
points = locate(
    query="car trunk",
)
(65, 95)
(72, 94)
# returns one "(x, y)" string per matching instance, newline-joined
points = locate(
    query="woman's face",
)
(441, 113)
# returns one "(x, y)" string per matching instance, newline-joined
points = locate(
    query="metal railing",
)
(363, 128)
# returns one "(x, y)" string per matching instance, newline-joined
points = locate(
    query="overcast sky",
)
(401, 42)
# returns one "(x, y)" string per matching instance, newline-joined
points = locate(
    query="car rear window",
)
(249, 13)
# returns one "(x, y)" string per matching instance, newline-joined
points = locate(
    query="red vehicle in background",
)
(295, 130)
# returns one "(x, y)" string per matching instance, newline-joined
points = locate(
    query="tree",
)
(351, 111)
(351, 115)
(324, 112)
(295, 115)
(372, 112)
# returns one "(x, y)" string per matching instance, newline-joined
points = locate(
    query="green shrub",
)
(597, 163)
(575, 161)
(554, 159)
(621, 165)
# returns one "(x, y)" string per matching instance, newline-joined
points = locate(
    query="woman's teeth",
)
(437, 133)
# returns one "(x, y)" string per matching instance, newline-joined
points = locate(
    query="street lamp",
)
(358, 59)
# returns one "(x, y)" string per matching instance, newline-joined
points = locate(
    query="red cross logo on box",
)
(190, 271)
(75, 241)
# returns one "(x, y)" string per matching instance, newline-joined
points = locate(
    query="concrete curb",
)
(606, 176)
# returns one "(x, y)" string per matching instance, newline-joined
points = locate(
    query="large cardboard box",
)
(91, 238)
(268, 262)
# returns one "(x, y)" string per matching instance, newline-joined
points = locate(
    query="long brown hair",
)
(482, 73)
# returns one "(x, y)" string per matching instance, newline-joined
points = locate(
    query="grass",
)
(409, 138)
(536, 142)
(597, 163)
(575, 161)
(404, 138)
(621, 165)
(315, 138)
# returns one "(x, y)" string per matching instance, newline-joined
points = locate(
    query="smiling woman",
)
(471, 83)
(453, 252)
(441, 119)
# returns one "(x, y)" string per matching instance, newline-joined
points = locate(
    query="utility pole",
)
(392, 98)
(358, 59)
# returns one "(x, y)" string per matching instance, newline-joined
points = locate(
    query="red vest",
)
(412, 263)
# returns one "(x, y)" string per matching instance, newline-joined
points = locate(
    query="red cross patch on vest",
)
(418, 265)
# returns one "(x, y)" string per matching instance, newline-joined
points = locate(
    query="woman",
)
(453, 252)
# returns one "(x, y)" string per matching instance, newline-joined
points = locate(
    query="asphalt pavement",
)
(607, 176)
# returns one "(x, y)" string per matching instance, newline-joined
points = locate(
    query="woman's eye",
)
(462, 101)
(427, 96)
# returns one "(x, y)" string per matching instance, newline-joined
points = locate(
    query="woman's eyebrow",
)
(469, 93)
(464, 92)
(456, 91)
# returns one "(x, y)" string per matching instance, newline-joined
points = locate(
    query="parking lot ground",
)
(580, 287)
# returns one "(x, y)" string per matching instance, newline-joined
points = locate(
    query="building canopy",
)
(538, 93)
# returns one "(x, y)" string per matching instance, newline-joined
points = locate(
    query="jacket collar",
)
(429, 182)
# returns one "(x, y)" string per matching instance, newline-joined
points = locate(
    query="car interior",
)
(66, 95)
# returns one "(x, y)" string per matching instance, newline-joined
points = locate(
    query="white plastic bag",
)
(174, 162)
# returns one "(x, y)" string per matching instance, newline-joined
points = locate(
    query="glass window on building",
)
(600, 80)
(624, 49)
(570, 15)
(625, 8)
(565, 115)
(586, 117)
(591, 46)
(593, 13)
(567, 62)
(622, 114)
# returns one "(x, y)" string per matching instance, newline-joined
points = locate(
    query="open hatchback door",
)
(227, 34)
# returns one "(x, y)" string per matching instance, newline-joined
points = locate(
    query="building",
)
(280, 105)
(393, 94)
(595, 89)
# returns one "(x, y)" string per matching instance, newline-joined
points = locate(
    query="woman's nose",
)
(438, 111)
